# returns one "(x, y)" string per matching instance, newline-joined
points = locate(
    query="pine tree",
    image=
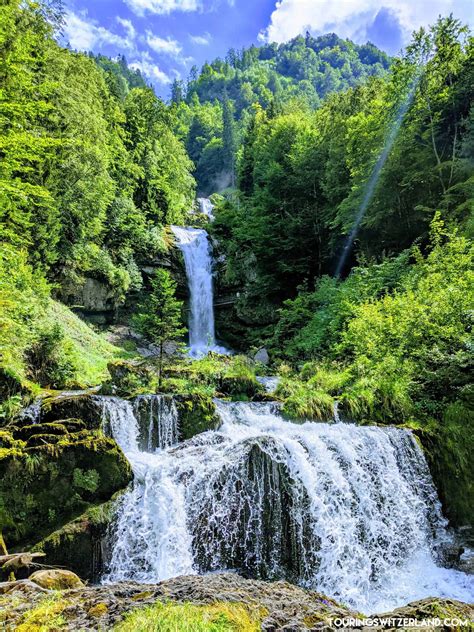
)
(177, 91)
(229, 138)
(159, 318)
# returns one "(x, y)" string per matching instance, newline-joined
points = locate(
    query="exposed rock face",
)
(54, 471)
(94, 297)
(282, 606)
(262, 356)
(259, 536)
(80, 405)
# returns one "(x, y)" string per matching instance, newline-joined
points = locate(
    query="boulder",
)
(81, 545)
(56, 579)
(197, 413)
(129, 378)
(262, 356)
(52, 478)
(82, 405)
(24, 586)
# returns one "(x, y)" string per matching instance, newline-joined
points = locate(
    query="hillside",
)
(216, 103)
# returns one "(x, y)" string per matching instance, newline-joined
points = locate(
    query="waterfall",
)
(158, 421)
(206, 207)
(269, 382)
(350, 511)
(148, 424)
(194, 244)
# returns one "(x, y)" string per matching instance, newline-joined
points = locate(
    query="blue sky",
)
(164, 38)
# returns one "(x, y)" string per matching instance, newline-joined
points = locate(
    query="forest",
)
(342, 185)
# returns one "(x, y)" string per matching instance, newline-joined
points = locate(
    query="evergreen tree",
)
(229, 138)
(177, 91)
(159, 318)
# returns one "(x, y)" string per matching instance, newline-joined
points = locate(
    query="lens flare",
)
(376, 171)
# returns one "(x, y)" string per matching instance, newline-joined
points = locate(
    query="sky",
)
(165, 38)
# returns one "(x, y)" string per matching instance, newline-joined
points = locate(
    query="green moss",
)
(77, 545)
(449, 448)
(129, 378)
(169, 617)
(216, 375)
(44, 486)
(45, 616)
(197, 413)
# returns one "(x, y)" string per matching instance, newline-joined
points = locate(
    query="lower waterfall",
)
(350, 511)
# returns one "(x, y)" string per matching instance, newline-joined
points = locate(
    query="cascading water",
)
(206, 207)
(350, 511)
(158, 421)
(194, 244)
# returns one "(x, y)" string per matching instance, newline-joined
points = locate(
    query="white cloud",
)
(162, 7)
(128, 26)
(85, 34)
(167, 46)
(150, 69)
(350, 18)
(202, 40)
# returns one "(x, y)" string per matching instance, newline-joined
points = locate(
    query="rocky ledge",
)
(277, 606)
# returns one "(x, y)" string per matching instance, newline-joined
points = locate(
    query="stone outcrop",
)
(82, 544)
(197, 413)
(51, 472)
(280, 606)
(80, 405)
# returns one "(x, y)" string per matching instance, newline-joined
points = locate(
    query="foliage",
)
(399, 351)
(167, 617)
(214, 375)
(159, 318)
(41, 340)
(68, 120)
(303, 178)
(218, 101)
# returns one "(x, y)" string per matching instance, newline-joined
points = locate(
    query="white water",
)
(269, 382)
(194, 244)
(350, 511)
(206, 207)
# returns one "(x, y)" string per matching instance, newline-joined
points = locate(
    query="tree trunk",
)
(160, 366)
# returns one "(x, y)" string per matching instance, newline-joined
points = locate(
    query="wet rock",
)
(197, 413)
(262, 356)
(56, 579)
(282, 606)
(82, 544)
(48, 481)
(83, 406)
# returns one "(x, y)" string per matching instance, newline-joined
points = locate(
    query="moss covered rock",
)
(56, 579)
(81, 545)
(128, 378)
(51, 478)
(197, 413)
(448, 450)
(82, 405)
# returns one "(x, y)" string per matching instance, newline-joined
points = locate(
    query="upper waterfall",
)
(194, 244)
(206, 207)
(350, 511)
